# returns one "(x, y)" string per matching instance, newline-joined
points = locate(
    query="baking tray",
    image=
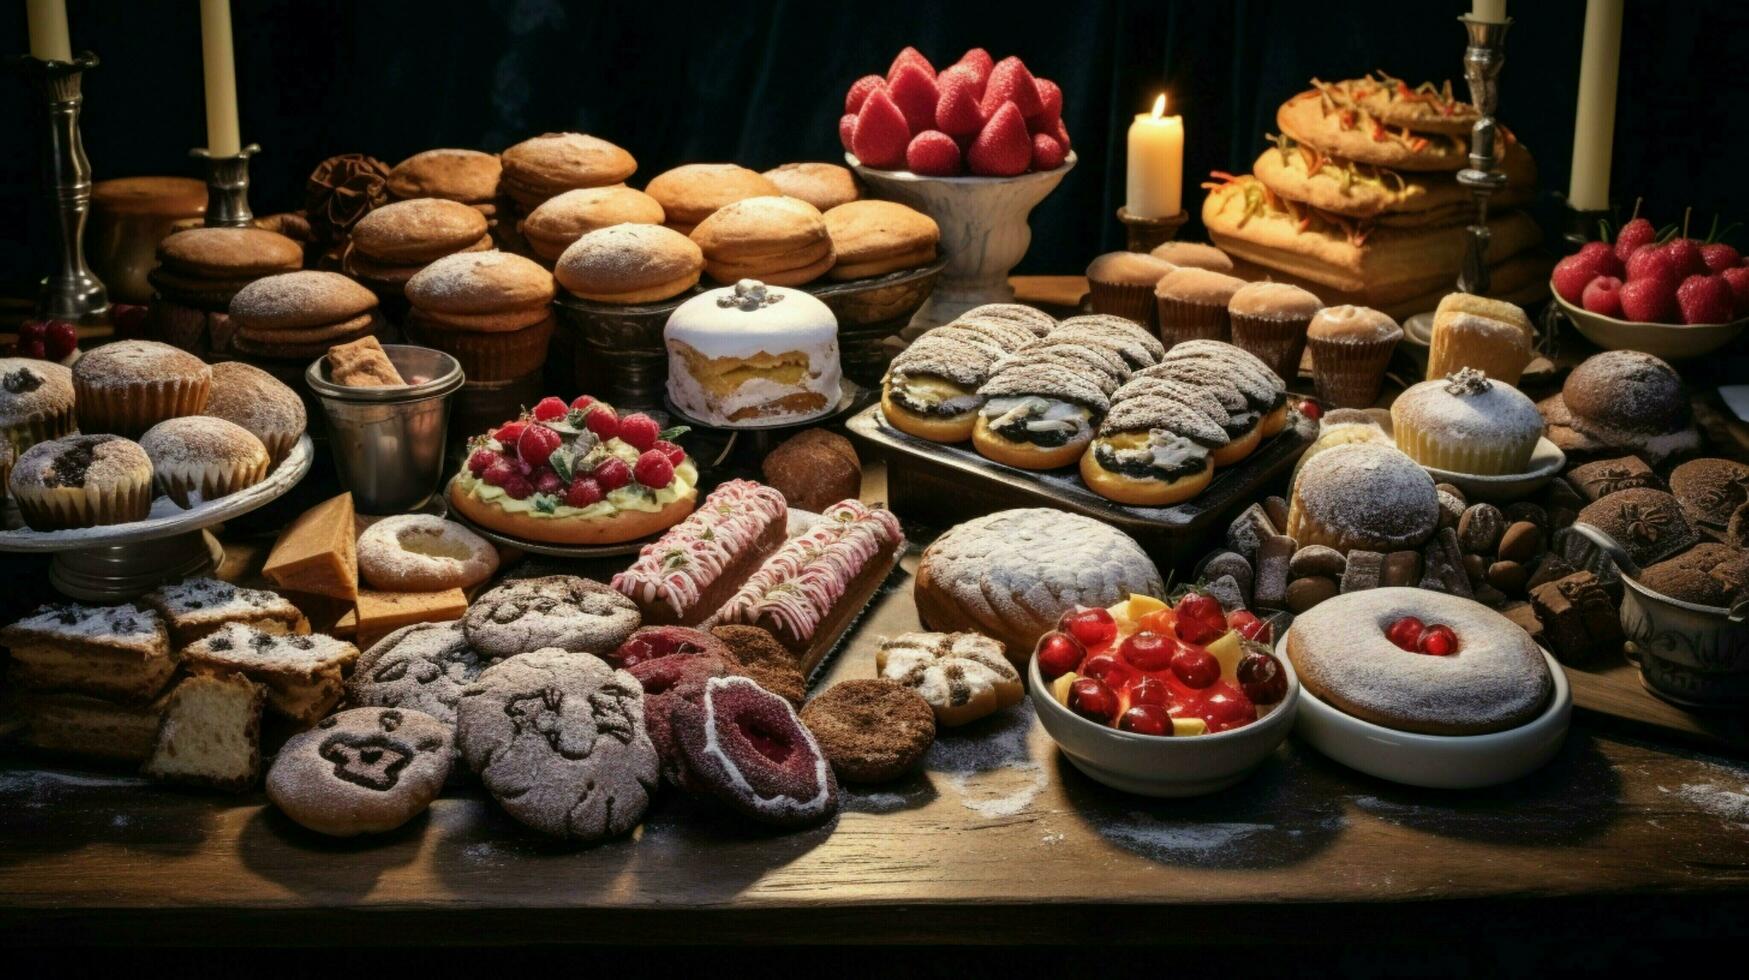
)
(943, 485)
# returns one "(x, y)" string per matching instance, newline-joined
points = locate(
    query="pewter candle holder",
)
(72, 292)
(1483, 59)
(227, 187)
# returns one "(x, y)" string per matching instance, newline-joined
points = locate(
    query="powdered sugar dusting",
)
(990, 765)
(1368, 491)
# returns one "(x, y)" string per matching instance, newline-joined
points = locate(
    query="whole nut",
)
(1475, 567)
(1480, 528)
(1521, 542)
(1451, 508)
(1524, 510)
(1508, 576)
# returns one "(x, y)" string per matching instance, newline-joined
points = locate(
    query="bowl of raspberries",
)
(1664, 293)
(976, 146)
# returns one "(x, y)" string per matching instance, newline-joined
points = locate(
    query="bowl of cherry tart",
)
(1163, 700)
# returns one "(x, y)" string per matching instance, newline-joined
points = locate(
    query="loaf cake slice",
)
(116, 652)
(89, 728)
(211, 734)
(303, 674)
(196, 607)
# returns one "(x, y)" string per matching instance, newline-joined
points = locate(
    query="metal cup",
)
(388, 443)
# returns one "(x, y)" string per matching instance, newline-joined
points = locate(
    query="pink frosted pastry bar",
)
(684, 575)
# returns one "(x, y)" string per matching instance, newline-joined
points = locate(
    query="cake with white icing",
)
(1467, 423)
(753, 353)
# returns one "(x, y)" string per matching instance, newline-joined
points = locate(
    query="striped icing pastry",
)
(798, 585)
(678, 567)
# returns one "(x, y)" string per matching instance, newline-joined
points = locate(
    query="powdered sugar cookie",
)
(963, 676)
(423, 667)
(422, 553)
(363, 771)
(561, 611)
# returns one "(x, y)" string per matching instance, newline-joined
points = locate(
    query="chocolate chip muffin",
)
(82, 481)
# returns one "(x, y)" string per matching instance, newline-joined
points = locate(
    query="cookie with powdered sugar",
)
(363, 771)
(561, 611)
(422, 667)
(1047, 379)
(963, 676)
(1031, 317)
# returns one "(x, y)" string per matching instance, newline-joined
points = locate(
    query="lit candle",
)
(221, 78)
(1156, 164)
(1594, 123)
(1489, 11)
(47, 20)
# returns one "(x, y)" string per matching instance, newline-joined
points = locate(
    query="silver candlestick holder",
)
(1483, 59)
(72, 292)
(227, 187)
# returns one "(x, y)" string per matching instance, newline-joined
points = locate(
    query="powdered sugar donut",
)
(422, 553)
(745, 746)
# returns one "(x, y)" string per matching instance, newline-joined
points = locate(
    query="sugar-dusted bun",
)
(552, 163)
(129, 386)
(302, 300)
(552, 227)
(229, 253)
(199, 458)
(417, 230)
(476, 283)
(875, 237)
(774, 239)
(824, 185)
(468, 176)
(1362, 495)
(630, 263)
(1489, 335)
(1194, 255)
(692, 192)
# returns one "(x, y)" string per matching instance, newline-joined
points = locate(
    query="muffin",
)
(1489, 335)
(1194, 255)
(129, 386)
(780, 241)
(1647, 523)
(491, 311)
(814, 469)
(1710, 491)
(630, 264)
(1351, 347)
(245, 395)
(202, 458)
(1270, 321)
(36, 401)
(8, 456)
(552, 227)
(1362, 495)
(1618, 402)
(1192, 305)
(693, 192)
(82, 481)
(824, 185)
(1467, 424)
(1708, 574)
(1122, 283)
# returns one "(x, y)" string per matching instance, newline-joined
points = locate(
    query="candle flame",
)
(1160, 106)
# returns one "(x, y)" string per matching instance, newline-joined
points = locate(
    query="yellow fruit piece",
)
(1228, 651)
(1189, 726)
(1141, 605)
(1060, 688)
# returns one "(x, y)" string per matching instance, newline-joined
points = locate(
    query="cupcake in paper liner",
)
(129, 386)
(200, 458)
(1467, 423)
(1270, 320)
(36, 401)
(1122, 284)
(1192, 305)
(1351, 347)
(82, 481)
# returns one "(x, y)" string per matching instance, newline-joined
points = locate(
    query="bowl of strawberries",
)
(1662, 293)
(976, 146)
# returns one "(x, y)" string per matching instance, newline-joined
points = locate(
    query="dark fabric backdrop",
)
(762, 84)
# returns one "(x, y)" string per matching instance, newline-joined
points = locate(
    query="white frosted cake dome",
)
(752, 353)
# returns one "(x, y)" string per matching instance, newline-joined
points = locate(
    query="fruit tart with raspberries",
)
(1145, 667)
(576, 474)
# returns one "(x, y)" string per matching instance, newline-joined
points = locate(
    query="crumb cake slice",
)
(302, 674)
(683, 576)
(210, 735)
(117, 652)
(194, 608)
(90, 728)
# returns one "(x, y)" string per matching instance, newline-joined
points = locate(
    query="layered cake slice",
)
(194, 608)
(116, 652)
(687, 573)
(302, 674)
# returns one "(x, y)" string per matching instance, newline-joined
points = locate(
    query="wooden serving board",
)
(1613, 691)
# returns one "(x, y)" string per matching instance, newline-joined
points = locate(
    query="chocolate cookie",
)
(675, 677)
(745, 746)
(758, 655)
(559, 740)
(872, 731)
(423, 667)
(362, 771)
(557, 611)
(1647, 523)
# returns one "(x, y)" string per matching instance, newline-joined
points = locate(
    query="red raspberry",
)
(481, 459)
(61, 339)
(1003, 148)
(933, 153)
(602, 420)
(654, 470)
(583, 492)
(582, 402)
(881, 133)
(1047, 153)
(675, 454)
(860, 90)
(518, 488)
(546, 481)
(536, 443)
(500, 472)
(640, 430)
(612, 474)
(549, 408)
(508, 433)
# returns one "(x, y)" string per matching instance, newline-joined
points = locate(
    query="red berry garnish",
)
(640, 430)
(481, 459)
(1249, 626)
(653, 470)
(61, 340)
(1093, 699)
(582, 402)
(518, 487)
(1058, 653)
(1405, 633)
(1092, 625)
(33, 330)
(1261, 677)
(1199, 618)
(1149, 689)
(1225, 708)
(1108, 668)
(33, 348)
(508, 433)
(1311, 409)
(675, 454)
(582, 492)
(546, 481)
(612, 474)
(602, 420)
(1148, 651)
(1195, 668)
(536, 444)
(129, 319)
(1146, 719)
(1438, 641)
(549, 408)
(500, 472)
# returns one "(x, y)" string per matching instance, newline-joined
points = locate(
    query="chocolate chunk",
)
(1454, 490)
(1402, 569)
(1226, 592)
(1606, 476)
(1451, 508)
(1316, 559)
(1487, 595)
(1579, 619)
(1479, 529)
(1276, 509)
(1524, 510)
(1442, 565)
(1273, 556)
(1475, 568)
(1552, 566)
(1232, 565)
(1249, 529)
(1509, 577)
(1521, 542)
(1524, 615)
(1365, 570)
(1304, 593)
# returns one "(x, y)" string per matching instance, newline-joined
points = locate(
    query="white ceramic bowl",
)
(1546, 460)
(1154, 765)
(1436, 761)
(1670, 341)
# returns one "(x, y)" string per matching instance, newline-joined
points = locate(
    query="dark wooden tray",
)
(942, 485)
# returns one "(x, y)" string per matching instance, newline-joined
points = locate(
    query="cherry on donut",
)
(1405, 633)
(1438, 641)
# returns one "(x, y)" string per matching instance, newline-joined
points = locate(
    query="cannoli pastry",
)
(1038, 414)
(1213, 398)
(1152, 450)
(1030, 317)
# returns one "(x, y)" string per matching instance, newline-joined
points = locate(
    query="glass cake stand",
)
(119, 561)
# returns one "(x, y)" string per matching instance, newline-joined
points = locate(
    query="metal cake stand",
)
(120, 561)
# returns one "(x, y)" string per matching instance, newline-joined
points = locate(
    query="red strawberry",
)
(909, 56)
(547, 481)
(881, 133)
(1632, 235)
(1047, 153)
(582, 402)
(1603, 296)
(847, 132)
(1705, 299)
(1718, 256)
(582, 492)
(1062, 136)
(1684, 257)
(1002, 148)
(1738, 277)
(499, 473)
(602, 420)
(1050, 98)
(914, 92)
(933, 153)
(509, 432)
(860, 90)
(1011, 82)
(536, 444)
(979, 63)
(653, 470)
(1604, 257)
(640, 430)
(612, 474)
(549, 408)
(675, 454)
(957, 111)
(1650, 262)
(1573, 273)
(1649, 299)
